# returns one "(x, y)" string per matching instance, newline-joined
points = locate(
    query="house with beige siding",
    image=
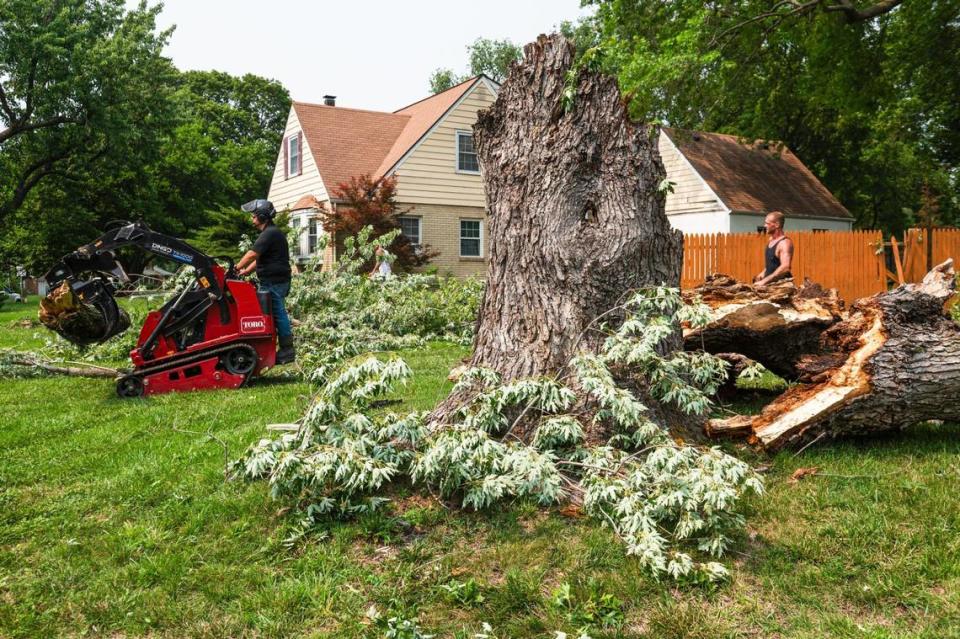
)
(721, 184)
(428, 146)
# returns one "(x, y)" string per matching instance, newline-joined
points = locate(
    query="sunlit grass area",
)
(116, 520)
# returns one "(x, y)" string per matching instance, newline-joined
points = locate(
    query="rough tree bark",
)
(893, 362)
(775, 325)
(575, 217)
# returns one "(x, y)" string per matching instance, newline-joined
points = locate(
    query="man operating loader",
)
(270, 257)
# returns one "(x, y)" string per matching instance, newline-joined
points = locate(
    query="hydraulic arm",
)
(88, 271)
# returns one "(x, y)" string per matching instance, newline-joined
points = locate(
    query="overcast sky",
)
(371, 54)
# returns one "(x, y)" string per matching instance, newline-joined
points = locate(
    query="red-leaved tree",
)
(372, 202)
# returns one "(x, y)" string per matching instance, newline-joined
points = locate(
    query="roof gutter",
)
(805, 217)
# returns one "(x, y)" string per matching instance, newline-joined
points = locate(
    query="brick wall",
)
(440, 228)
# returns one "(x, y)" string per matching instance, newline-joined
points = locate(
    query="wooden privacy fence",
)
(946, 243)
(850, 261)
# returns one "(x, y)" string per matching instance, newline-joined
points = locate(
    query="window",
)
(471, 238)
(467, 153)
(410, 227)
(293, 154)
(312, 237)
(295, 223)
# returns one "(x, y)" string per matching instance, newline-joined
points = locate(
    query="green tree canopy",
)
(865, 94)
(78, 80)
(95, 125)
(491, 58)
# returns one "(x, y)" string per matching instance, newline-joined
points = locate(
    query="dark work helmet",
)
(263, 209)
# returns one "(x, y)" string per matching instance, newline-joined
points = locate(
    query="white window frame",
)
(460, 237)
(313, 224)
(456, 159)
(296, 226)
(419, 221)
(290, 157)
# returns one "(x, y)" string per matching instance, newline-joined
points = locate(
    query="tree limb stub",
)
(893, 362)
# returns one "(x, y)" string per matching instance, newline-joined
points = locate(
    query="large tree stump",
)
(775, 325)
(894, 362)
(575, 217)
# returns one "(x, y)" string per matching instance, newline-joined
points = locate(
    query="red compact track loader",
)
(216, 333)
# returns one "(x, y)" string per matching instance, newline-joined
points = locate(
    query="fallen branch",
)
(31, 360)
(893, 363)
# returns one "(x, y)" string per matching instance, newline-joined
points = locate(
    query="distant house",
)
(723, 185)
(427, 145)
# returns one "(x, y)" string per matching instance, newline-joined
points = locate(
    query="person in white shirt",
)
(381, 268)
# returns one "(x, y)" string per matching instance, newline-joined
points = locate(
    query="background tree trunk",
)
(575, 216)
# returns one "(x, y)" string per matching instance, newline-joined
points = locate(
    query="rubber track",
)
(194, 357)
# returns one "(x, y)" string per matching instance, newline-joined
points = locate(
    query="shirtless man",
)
(779, 254)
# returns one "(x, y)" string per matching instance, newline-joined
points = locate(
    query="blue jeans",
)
(281, 320)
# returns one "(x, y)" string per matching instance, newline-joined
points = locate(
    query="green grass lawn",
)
(115, 520)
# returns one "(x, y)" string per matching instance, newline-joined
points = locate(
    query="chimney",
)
(330, 100)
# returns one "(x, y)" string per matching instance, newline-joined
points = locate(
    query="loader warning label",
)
(252, 325)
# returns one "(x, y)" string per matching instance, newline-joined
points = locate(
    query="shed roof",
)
(756, 177)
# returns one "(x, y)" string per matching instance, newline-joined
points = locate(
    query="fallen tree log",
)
(775, 325)
(894, 362)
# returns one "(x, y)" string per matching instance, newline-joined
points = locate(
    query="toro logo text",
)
(252, 325)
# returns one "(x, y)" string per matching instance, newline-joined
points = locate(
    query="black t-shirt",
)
(273, 256)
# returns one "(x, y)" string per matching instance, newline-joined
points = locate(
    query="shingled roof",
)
(350, 142)
(756, 177)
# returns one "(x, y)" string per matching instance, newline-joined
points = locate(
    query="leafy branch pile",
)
(593, 443)
(343, 313)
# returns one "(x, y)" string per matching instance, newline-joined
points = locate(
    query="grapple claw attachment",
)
(83, 313)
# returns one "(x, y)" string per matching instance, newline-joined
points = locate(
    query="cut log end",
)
(776, 325)
(67, 315)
